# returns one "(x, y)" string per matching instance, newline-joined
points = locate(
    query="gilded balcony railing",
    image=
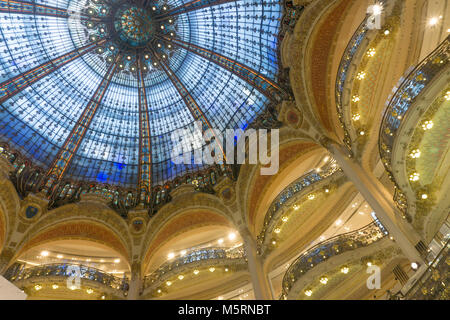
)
(217, 256)
(307, 180)
(401, 102)
(433, 284)
(343, 71)
(332, 247)
(15, 274)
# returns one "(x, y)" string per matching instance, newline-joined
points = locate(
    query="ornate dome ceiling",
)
(91, 90)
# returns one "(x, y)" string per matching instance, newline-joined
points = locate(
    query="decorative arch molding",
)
(312, 40)
(9, 209)
(251, 186)
(77, 228)
(181, 221)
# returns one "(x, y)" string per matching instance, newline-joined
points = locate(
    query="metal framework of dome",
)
(91, 90)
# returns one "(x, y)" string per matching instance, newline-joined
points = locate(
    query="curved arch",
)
(176, 225)
(9, 208)
(76, 229)
(308, 54)
(256, 192)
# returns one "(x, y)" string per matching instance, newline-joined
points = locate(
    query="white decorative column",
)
(135, 282)
(261, 286)
(374, 193)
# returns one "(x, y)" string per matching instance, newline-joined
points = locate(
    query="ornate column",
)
(135, 282)
(261, 286)
(377, 196)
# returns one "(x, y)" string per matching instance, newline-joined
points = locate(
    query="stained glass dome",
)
(92, 89)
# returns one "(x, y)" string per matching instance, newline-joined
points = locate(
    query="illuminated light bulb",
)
(116, 260)
(146, 56)
(323, 280)
(371, 52)
(427, 125)
(447, 96)
(277, 230)
(196, 271)
(369, 264)
(339, 222)
(377, 9)
(295, 207)
(220, 298)
(361, 75)
(181, 277)
(414, 177)
(226, 269)
(308, 293)
(344, 270)
(128, 57)
(433, 21)
(361, 133)
(164, 8)
(232, 236)
(326, 159)
(212, 269)
(44, 253)
(162, 27)
(356, 117)
(72, 288)
(60, 256)
(168, 283)
(311, 197)
(274, 242)
(89, 291)
(220, 241)
(171, 255)
(414, 265)
(386, 32)
(284, 219)
(355, 98)
(327, 190)
(55, 286)
(103, 298)
(172, 34)
(424, 196)
(37, 287)
(159, 290)
(318, 170)
(169, 46)
(153, 8)
(159, 45)
(170, 20)
(183, 252)
(112, 48)
(415, 154)
(101, 260)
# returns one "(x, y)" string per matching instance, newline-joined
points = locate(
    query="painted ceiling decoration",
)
(91, 90)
